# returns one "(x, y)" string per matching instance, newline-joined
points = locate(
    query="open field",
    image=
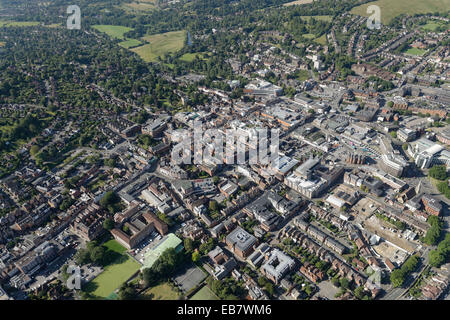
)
(390, 9)
(18, 23)
(162, 292)
(204, 294)
(119, 270)
(416, 51)
(130, 43)
(297, 2)
(433, 25)
(189, 57)
(322, 39)
(139, 6)
(116, 32)
(320, 18)
(160, 44)
(2, 44)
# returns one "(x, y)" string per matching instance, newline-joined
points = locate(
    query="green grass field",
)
(160, 44)
(392, 8)
(322, 39)
(161, 292)
(189, 57)
(116, 32)
(130, 43)
(433, 25)
(320, 18)
(204, 294)
(18, 23)
(119, 270)
(416, 51)
(297, 3)
(138, 6)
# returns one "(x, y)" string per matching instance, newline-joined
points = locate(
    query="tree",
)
(436, 258)
(195, 256)
(345, 283)
(34, 150)
(438, 172)
(213, 206)
(405, 146)
(108, 224)
(97, 255)
(127, 292)
(82, 257)
(359, 292)
(188, 244)
(397, 278)
(393, 134)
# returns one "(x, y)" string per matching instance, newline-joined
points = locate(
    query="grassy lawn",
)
(161, 292)
(322, 39)
(130, 43)
(119, 269)
(204, 294)
(116, 32)
(390, 9)
(308, 36)
(160, 44)
(416, 51)
(433, 25)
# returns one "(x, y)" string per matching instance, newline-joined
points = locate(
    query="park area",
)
(204, 294)
(160, 44)
(120, 268)
(161, 292)
(391, 9)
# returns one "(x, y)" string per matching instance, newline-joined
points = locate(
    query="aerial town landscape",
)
(113, 185)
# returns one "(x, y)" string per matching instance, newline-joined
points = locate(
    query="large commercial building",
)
(391, 161)
(427, 153)
(277, 265)
(310, 179)
(241, 242)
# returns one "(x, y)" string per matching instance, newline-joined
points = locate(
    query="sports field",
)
(115, 273)
(160, 44)
(416, 51)
(204, 294)
(162, 292)
(392, 8)
(170, 241)
(116, 32)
